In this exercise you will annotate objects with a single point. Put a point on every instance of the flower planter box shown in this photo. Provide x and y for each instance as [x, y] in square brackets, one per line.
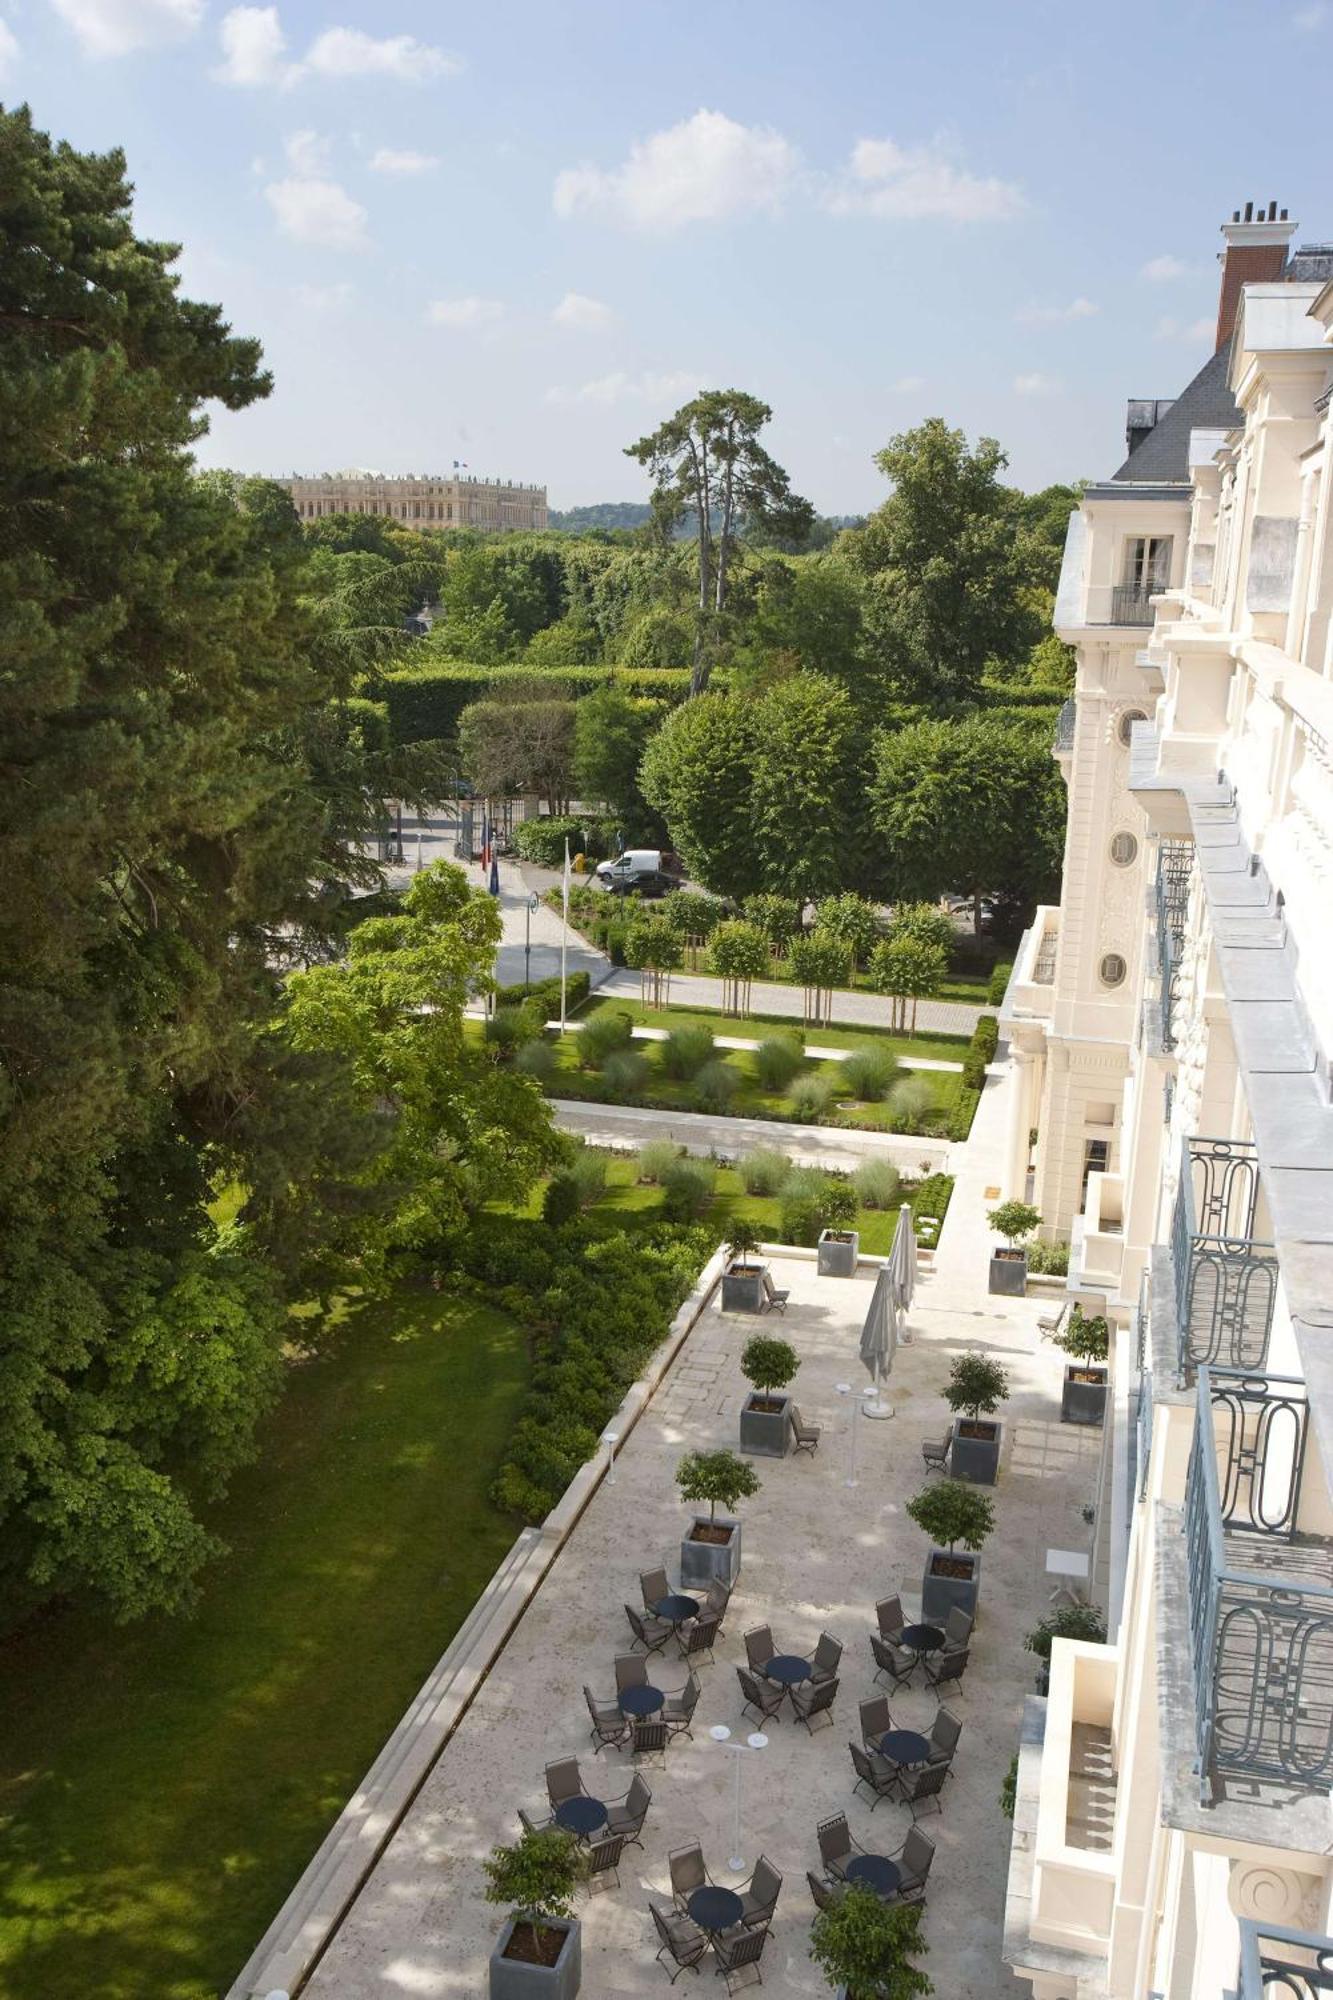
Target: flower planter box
[939, 1594]
[701, 1562]
[743, 1289]
[1009, 1273]
[515, 1979]
[1083, 1398]
[975, 1453]
[838, 1252]
[766, 1424]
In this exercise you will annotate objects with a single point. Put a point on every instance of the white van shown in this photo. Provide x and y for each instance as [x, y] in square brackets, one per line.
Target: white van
[636, 868]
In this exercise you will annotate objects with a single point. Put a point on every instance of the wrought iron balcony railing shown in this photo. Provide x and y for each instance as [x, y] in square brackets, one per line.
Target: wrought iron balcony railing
[1225, 1281]
[1171, 891]
[1131, 603]
[1278, 1964]
[1064, 728]
[1260, 1601]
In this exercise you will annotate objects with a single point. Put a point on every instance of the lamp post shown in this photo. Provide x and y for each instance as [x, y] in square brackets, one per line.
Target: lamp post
[721, 1735]
[845, 1389]
[527, 939]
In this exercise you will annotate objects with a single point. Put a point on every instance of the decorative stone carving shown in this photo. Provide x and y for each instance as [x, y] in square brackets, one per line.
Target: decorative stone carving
[1272, 1895]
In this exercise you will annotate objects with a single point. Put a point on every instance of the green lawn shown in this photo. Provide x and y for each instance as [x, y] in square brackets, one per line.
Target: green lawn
[162, 1786]
[754, 1027]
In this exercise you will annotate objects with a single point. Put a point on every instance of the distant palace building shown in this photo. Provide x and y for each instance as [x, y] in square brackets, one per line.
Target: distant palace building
[428, 500]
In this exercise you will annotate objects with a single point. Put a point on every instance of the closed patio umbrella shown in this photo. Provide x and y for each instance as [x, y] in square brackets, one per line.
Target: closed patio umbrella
[879, 1336]
[902, 1258]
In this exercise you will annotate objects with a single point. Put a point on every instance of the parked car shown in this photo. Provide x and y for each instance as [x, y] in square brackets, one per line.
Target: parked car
[644, 870]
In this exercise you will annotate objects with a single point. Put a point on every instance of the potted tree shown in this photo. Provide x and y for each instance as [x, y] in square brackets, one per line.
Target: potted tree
[1014, 1220]
[864, 1947]
[1087, 1339]
[975, 1389]
[712, 1548]
[951, 1513]
[1071, 1621]
[765, 1414]
[839, 1244]
[743, 1281]
[539, 1952]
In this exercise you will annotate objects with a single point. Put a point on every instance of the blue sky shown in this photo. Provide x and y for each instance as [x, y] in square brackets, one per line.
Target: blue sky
[519, 234]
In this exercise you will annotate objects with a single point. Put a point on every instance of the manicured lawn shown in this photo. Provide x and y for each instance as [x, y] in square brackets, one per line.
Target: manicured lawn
[756, 1027]
[162, 1786]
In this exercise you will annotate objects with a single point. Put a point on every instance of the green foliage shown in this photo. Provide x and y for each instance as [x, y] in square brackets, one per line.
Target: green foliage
[687, 1190]
[877, 1184]
[868, 1072]
[810, 1097]
[777, 1060]
[768, 1363]
[1049, 1259]
[535, 1878]
[999, 982]
[778, 917]
[763, 1171]
[543, 840]
[976, 1386]
[656, 1158]
[1009, 1789]
[521, 742]
[652, 944]
[718, 1477]
[1087, 1337]
[562, 1200]
[660, 638]
[1014, 1220]
[625, 1072]
[819, 961]
[604, 1034]
[907, 969]
[546, 994]
[536, 1059]
[930, 1205]
[714, 1087]
[867, 1946]
[853, 922]
[980, 1051]
[811, 1200]
[1071, 1621]
[909, 1103]
[588, 1170]
[509, 1028]
[691, 914]
[696, 773]
[950, 1513]
[924, 923]
[744, 1240]
[611, 732]
[686, 1050]
[426, 699]
[736, 950]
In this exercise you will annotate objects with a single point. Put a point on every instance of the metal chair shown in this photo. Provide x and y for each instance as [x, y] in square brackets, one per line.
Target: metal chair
[717, 1597]
[889, 1618]
[687, 1872]
[892, 1660]
[923, 1784]
[814, 1698]
[678, 1711]
[836, 1846]
[604, 1859]
[683, 1939]
[626, 1816]
[828, 1658]
[935, 1452]
[765, 1697]
[876, 1718]
[701, 1635]
[631, 1671]
[649, 1738]
[759, 1647]
[957, 1628]
[608, 1722]
[653, 1583]
[944, 1736]
[774, 1300]
[947, 1666]
[914, 1860]
[564, 1780]
[650, 1633]
[759, 1897]
[805, 1437]
[874, 1771]
[532, 1825]
[739, 1952]
[826, 1894]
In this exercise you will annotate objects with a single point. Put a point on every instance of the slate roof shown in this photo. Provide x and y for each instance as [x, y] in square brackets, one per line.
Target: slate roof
[1162, 458]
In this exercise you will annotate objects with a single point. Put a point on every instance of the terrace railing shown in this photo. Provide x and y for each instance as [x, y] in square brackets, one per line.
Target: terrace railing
[1225, 1280]
[1278, 1964]
[1171, 893]
[1064, 728]
[1131, 603]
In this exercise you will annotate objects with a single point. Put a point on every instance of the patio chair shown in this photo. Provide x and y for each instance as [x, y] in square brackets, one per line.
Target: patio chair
[650, 1633]
[774, 1300]
[649, 1738]
[957, 1628]
[603, 1858]
[914, 1860]
[530, 1825]
[805, 1437]
[814, 1698]
[681, 1938]
[655, 1586]
[950, 1665]
[608, 1723]
[759, 1647]
[935, 1452]
[944, 1737]
[764, 1697]
[738, 1954]
[825, 1893]
[828, 1658]
[892, 1660]
[876, 1718]
[564, 1781]
[759, 1897]
[836, 1846]
[1050, 1323]
[701, 1635]
[631, 1671]
[920, 1786]
[875, 1772]
[678, 1712]
[687, 1872]
[717, 1597]
[889, 1618]
[626, 1816]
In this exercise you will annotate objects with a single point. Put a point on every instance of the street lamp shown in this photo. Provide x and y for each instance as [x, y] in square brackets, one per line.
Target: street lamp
[845, 1389]
[721, 1735]
[527, 938]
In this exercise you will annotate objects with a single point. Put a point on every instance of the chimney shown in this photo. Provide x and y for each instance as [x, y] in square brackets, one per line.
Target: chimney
[1256, 254]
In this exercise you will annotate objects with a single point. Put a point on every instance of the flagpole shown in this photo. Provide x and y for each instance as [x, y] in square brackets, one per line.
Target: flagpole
[564, 935]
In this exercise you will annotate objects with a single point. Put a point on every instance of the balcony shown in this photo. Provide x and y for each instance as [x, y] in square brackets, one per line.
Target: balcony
[1260, 1588]
[1131, 603]
[1103, 1233]
[1031, 994]
[1283, 1965]
[1225, 1280]
[1171, 898]
[1073, 1883]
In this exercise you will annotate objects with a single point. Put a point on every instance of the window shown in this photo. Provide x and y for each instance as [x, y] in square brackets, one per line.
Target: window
[1125, 726]
[1112, 969]
[1096, 1160]
[1148, 562]
[1124, 847]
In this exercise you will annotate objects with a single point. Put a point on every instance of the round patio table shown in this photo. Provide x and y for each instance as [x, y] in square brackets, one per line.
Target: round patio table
[580, 1815]
[876, 1871]
[922, 1638]
[677, 1607]
[642, 1700]
[787, 1669]
[904, 1746]
[715, 1909]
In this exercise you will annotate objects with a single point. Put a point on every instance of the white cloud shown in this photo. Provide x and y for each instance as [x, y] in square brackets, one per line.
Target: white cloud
[705, 169]
[1034, 315]
[1307, 20]
[583, 314]
[118, 27]
[387, 161]
[351, 52]
[254, 48]
[308, 154]
[1037, 384]
[1160, 270]
[9, 49]
[311, 209]
[907, 385]
[1193, 330]
[911, 183]
[466, 312]
[323, 298]
[620, 387]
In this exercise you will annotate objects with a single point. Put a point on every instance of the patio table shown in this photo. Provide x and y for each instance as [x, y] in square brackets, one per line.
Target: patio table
[714, 1909]
[876, 1871]
[580, 1815]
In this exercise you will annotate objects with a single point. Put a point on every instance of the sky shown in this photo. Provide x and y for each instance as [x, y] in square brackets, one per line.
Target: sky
[518, 235]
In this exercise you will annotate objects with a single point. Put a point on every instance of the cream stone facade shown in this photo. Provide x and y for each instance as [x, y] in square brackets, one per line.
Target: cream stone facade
[1172, 1022]
[429, 500]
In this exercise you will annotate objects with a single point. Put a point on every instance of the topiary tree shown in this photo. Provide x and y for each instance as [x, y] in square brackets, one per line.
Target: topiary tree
[1087, 1337]
[738, 954]
[866, 1946]
[655, 949]
[744, 1242]
[976, 1387]
[908, 971]
[950, 1512]
[819, 962]
[768, 1363]
[536, 1878]
[924, 923]
[1014, 1220]
[1071, 1621]
[853, 922]
[778, 917]
[719, 1477]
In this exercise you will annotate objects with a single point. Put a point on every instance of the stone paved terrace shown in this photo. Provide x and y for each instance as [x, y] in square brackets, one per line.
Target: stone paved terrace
[816, 1555]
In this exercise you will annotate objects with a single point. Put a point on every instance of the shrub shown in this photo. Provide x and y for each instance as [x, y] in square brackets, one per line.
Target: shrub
[738, 951]
[562, 1200]
[964, 1111]
[687, 1189]
[588, 1172]
[923, 923]
[685, 1051]
[768, 1363]
[603, 1035]
[976, 1387]
[508, 1028]
[719, 1477]
[1014, 1220]
[763, 1171]
[1087, 1336]
[908, 971]
[714, 1087]
[930, 1201]
[999, 982]
[625, 1072]
[545, 993]
[869, 1072]
[778, 917]
[810, 1097]
[908, 1101]
[818, 961]
[876, 1183]
[811, 1201]
[1071, 1621]
[865, 1947]
[536, 1058]
[1050, 1260]
[853, 922]
[950, 1512]
[777, 1060]
[425, 702]
[656, 1158]
[543, 840]
[693, 914]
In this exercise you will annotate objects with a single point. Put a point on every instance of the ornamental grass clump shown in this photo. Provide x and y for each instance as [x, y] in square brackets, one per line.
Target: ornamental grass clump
[656, 1160]
[763, 1171]
[687, 1190]
[604, 1035]
[810, 1098]
[908, 1101]
[625, 1073]
[777, 1060]
[536, 1059]
[685, 1051]
[811, 1201]
[877, 1183]
[868, 1073]
[714, 1087]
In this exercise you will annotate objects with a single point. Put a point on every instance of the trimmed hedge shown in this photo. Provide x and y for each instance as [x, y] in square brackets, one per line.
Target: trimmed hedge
[425, 702]
[999, 981]
[980, 1050]
[930, 1205]
[547, 991]
[543, 840]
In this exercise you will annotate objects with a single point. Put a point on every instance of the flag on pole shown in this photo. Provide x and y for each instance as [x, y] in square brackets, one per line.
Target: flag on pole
[486, 845]
[494, 884]
[564, 932]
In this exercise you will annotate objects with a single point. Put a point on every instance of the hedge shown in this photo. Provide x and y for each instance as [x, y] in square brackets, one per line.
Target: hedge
[930, 1205]
[543, 840]
[425, 702]
[999, 982]
[547, 991]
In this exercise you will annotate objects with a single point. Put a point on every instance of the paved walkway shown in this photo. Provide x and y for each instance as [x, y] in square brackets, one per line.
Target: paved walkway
[850, 1010]
[626, 1127]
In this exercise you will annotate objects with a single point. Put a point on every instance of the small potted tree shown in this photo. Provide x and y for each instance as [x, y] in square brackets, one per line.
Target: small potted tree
[765, 1414]
[864, 1947]
[712, 1548]
[1087, 1341]
[1071, 1621]
[743, 1280]
[975, 1389]
[1015, 1221]
[539, 1952]
[951, 1513]
[839, 1243]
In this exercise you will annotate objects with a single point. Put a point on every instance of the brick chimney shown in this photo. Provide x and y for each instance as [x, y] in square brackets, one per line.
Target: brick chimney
[1256, 254]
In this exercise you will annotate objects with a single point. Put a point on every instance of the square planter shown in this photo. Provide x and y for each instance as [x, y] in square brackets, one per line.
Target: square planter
[743, 1289]
[766, 1432]
[975, 1454]
[838, 1252]
[702, 1562]
[1083, 1398]
[1009, 1273]
[514, 1979]
[939, 1594]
